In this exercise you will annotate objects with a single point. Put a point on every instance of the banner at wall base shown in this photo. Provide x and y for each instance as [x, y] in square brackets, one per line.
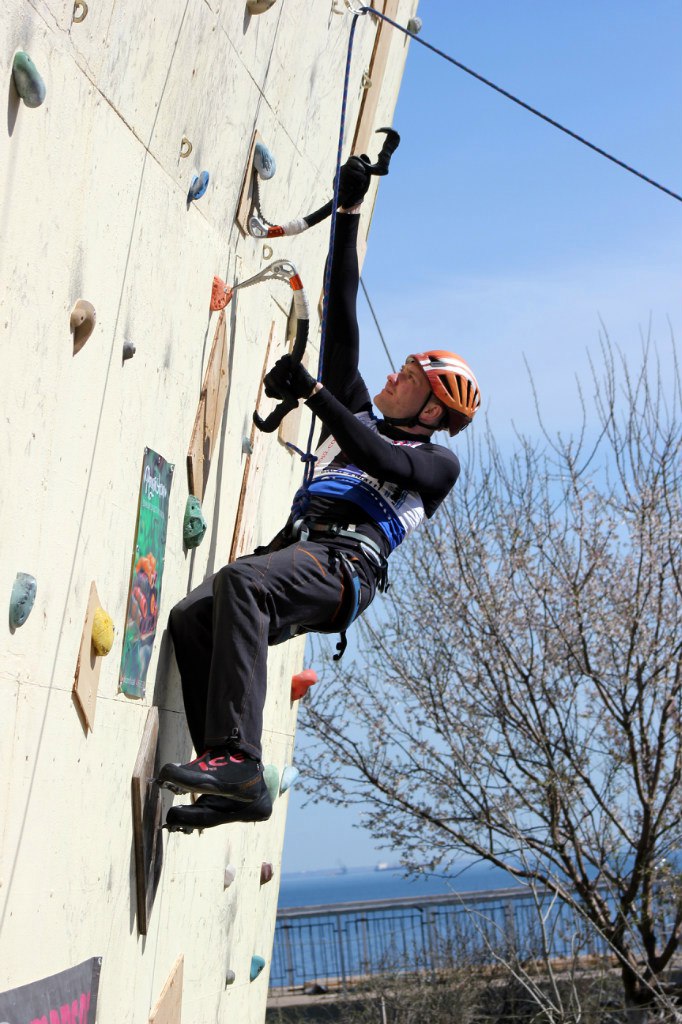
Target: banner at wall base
[70, 996]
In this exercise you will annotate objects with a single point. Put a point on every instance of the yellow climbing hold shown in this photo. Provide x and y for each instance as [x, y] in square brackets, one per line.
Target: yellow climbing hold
[102, 632]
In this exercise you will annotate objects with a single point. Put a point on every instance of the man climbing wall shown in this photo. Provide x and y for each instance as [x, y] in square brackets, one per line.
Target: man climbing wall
[374, 481]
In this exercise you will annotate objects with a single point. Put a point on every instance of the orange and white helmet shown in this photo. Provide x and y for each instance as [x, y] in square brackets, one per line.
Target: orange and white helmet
[453, 383]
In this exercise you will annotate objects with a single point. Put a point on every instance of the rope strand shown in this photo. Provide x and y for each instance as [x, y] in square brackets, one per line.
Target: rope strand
[526, 106]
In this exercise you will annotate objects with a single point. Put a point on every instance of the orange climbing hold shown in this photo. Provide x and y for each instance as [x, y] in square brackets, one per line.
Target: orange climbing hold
[220, 294]
[301, 682]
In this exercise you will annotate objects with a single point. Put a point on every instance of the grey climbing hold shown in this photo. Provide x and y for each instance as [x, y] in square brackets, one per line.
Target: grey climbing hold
[257, 965]
[82, 323]
[198, 186]
[289, 776]
[193, 525]
[128, 350]
[247, 447]
[22, 599]
[27, 80]
[264, 161]
[230, 977]
[414, 26]
[271, 779]
[230, 875]
[266, 872]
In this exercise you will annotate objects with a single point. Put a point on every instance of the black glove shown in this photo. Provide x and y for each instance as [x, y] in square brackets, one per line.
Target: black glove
[288, 381]
[354, 179]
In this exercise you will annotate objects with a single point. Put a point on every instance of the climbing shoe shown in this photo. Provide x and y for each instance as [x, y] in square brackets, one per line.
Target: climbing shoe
[216, 772]
[210, 811]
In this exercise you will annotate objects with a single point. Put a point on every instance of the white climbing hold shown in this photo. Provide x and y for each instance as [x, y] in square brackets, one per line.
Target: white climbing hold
[289, 776]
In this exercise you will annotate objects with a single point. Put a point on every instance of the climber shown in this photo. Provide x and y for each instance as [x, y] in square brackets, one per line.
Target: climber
[374, 481]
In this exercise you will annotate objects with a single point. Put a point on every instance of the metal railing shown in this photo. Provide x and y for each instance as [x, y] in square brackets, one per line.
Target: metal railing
[340, 942]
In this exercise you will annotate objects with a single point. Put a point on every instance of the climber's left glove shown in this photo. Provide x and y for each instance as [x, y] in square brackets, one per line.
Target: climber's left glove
[288, 381]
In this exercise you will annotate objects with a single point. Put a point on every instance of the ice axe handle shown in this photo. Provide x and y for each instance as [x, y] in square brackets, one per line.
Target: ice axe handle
[389, 147]
[273, 420]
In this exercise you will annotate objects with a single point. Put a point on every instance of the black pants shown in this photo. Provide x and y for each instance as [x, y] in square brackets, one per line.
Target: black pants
[221, 632]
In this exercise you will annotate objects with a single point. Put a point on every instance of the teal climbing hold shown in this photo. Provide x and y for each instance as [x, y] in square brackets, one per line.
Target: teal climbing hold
[264, 161]
[27, 80]
[198, 186]
[193, 525]
[22, 599]
[289, 776]
[257, 965]
[271, 778]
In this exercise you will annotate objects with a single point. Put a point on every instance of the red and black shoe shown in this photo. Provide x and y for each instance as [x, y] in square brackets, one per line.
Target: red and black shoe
[216, 772]
[210, 811]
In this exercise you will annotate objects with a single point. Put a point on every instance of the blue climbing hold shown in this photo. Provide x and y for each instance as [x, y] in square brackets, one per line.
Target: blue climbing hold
[257, 965]
[289, 776]
[264, 161]
[198, 186]
[22, 599]
[27, 81]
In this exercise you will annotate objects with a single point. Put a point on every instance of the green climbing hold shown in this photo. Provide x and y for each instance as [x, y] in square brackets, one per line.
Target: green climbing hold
[271, 778]
[289, 776]
[27, 81]
[257, 965]
[194, 524]
[22, 599]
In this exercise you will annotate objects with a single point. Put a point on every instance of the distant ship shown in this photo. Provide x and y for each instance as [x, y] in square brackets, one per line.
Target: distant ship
[382, 866]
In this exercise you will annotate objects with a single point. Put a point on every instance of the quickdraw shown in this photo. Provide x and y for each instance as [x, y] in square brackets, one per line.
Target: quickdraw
[260, 227]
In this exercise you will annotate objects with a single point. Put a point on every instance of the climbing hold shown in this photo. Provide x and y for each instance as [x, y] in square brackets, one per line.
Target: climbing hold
[247, 447]
[257, 965]
[102, 632]
[220, 294]
[128, 350]
[266, 872]
[193, 525]
[80, 11]
[289, 776]
[230, 875]
[198, 186]
[27, 81]
[414, 26]
[230, 978]
[259, 6]
[185, 146]
[22, 599]
[271, 778]
[82, 323]
[301, 682]
[264, 161]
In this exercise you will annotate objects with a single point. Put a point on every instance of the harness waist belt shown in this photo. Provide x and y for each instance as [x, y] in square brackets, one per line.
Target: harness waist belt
[351, 532]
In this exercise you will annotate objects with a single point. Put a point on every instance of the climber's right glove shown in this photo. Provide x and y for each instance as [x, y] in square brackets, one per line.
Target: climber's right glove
[354, 179]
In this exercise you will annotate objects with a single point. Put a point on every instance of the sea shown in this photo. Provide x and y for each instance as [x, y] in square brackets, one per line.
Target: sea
[383, 881]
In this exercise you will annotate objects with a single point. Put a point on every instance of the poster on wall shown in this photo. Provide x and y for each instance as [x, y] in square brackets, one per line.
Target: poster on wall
[70, 995]
[144, 594]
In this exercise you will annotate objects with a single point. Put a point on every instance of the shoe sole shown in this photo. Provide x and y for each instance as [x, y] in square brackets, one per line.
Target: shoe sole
[207, 788]
[191, 817]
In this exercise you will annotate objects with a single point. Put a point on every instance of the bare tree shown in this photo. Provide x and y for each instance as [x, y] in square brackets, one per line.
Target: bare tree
[518, 694]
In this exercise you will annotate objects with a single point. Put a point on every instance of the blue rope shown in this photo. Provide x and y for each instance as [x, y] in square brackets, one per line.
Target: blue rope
[310, 460]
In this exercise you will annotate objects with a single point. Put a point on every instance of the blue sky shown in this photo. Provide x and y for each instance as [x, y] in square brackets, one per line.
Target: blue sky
[500, 238]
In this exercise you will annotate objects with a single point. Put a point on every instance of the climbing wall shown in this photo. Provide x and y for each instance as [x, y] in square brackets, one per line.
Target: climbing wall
[106, 268]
